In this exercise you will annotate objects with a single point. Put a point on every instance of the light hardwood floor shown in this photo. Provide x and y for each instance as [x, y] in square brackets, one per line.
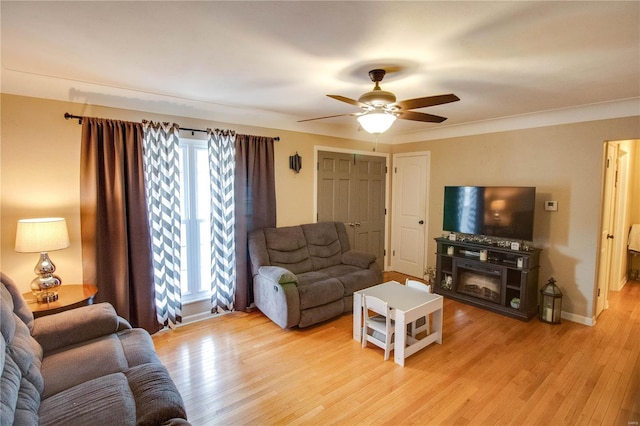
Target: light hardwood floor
[241, 368]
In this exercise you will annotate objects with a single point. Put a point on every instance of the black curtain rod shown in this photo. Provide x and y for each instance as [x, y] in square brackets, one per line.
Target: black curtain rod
[68, 116]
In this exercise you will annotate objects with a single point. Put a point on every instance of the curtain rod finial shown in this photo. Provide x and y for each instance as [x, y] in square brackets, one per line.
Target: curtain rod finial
[68, 116]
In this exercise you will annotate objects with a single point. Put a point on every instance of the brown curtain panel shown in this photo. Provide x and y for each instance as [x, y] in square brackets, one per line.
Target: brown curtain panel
[255, 195]
[116, 243]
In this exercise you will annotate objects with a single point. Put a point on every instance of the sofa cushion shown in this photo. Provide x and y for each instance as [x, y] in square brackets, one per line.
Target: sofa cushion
[118, 352]
[157, 399]
[323, 244]
[75, 326]
[90, 360]
[358, 280]
[106, 400]
[287, 248]
[338, 271]
[311, 277]
[320, 292]
[358, 258]
[321, 313]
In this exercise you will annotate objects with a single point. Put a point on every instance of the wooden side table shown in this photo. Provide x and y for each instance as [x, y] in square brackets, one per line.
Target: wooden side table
[69, 296]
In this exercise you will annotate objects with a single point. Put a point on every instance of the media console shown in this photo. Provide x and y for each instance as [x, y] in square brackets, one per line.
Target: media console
[488, 276]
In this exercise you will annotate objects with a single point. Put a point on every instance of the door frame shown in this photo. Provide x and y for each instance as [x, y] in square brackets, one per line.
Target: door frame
[314, 219]
[426, 154]
[619, 188]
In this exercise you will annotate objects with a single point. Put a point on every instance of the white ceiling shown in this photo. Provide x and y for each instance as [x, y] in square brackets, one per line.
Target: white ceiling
[513, 64]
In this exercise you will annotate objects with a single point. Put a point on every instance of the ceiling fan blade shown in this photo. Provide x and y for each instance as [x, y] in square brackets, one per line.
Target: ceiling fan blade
[321, 118]
[348, 100]
[427, 101]
[420, 116]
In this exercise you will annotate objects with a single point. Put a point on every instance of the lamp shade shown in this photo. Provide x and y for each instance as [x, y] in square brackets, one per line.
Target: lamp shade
[376, 122]
[498, 205]
[41, 235]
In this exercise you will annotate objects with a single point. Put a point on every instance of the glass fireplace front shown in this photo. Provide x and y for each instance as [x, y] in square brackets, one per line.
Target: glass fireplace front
[479, 281]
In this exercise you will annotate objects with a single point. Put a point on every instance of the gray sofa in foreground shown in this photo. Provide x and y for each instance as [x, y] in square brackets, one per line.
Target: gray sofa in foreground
[85, 366]
[306, 274]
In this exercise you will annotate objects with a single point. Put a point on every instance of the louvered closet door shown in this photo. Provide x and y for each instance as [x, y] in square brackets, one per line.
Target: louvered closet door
[351, 189]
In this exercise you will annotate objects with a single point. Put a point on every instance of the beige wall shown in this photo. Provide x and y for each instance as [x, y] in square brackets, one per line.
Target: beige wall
[40, 167]
[635, 191]
[564, 163]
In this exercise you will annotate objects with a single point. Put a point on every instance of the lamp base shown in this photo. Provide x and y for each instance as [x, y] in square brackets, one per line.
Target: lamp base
[47, 296]
[44, 288]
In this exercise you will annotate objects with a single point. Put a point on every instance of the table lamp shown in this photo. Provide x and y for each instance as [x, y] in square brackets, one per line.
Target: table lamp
[41, 236]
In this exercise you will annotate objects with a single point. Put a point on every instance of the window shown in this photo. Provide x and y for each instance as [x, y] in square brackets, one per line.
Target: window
[195, 203]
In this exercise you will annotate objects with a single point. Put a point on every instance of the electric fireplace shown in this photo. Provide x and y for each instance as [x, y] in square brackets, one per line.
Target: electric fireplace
[481, 281]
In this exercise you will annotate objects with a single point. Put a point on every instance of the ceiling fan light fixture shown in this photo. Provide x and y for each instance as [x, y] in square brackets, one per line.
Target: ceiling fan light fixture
[377, 97]
[376, 122]
[380, 109]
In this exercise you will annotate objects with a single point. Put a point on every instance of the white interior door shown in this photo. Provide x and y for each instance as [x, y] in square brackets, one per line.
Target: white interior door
[606, 234]
[409, 213]
[622, 219]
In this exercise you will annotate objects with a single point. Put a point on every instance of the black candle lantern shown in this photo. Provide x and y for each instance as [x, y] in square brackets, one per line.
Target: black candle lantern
[295, 163]
[551, 303]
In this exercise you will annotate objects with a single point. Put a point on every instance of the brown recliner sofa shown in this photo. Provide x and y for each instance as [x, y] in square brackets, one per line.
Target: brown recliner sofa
[306, 274]
[85, 366]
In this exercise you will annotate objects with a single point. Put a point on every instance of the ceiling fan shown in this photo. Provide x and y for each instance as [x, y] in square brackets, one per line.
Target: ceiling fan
[380, 109]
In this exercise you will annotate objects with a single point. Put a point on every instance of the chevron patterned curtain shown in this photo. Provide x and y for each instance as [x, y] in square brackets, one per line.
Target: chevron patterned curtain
[223, 250]
[162, 174]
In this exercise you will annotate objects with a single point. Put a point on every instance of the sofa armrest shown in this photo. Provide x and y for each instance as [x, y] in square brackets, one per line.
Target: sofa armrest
[275, 292]
[278, 274]
[358, 258]
[76, 326]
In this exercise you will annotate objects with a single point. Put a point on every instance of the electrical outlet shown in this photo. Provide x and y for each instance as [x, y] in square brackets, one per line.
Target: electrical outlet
[551, 206]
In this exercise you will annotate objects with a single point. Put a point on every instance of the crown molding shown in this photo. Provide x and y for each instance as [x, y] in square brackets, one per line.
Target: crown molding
[592, 112]
[50, 87]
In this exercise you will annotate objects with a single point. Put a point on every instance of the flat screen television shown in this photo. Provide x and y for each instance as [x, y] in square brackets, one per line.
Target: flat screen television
[497, 211]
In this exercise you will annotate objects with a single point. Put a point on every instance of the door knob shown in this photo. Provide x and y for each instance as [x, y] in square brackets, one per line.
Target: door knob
[421, 222]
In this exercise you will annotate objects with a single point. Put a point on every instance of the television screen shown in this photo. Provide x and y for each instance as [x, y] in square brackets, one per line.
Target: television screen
[497, 211]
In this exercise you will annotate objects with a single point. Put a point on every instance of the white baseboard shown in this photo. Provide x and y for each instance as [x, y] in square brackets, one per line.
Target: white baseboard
[578, 318]
[619, 285]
